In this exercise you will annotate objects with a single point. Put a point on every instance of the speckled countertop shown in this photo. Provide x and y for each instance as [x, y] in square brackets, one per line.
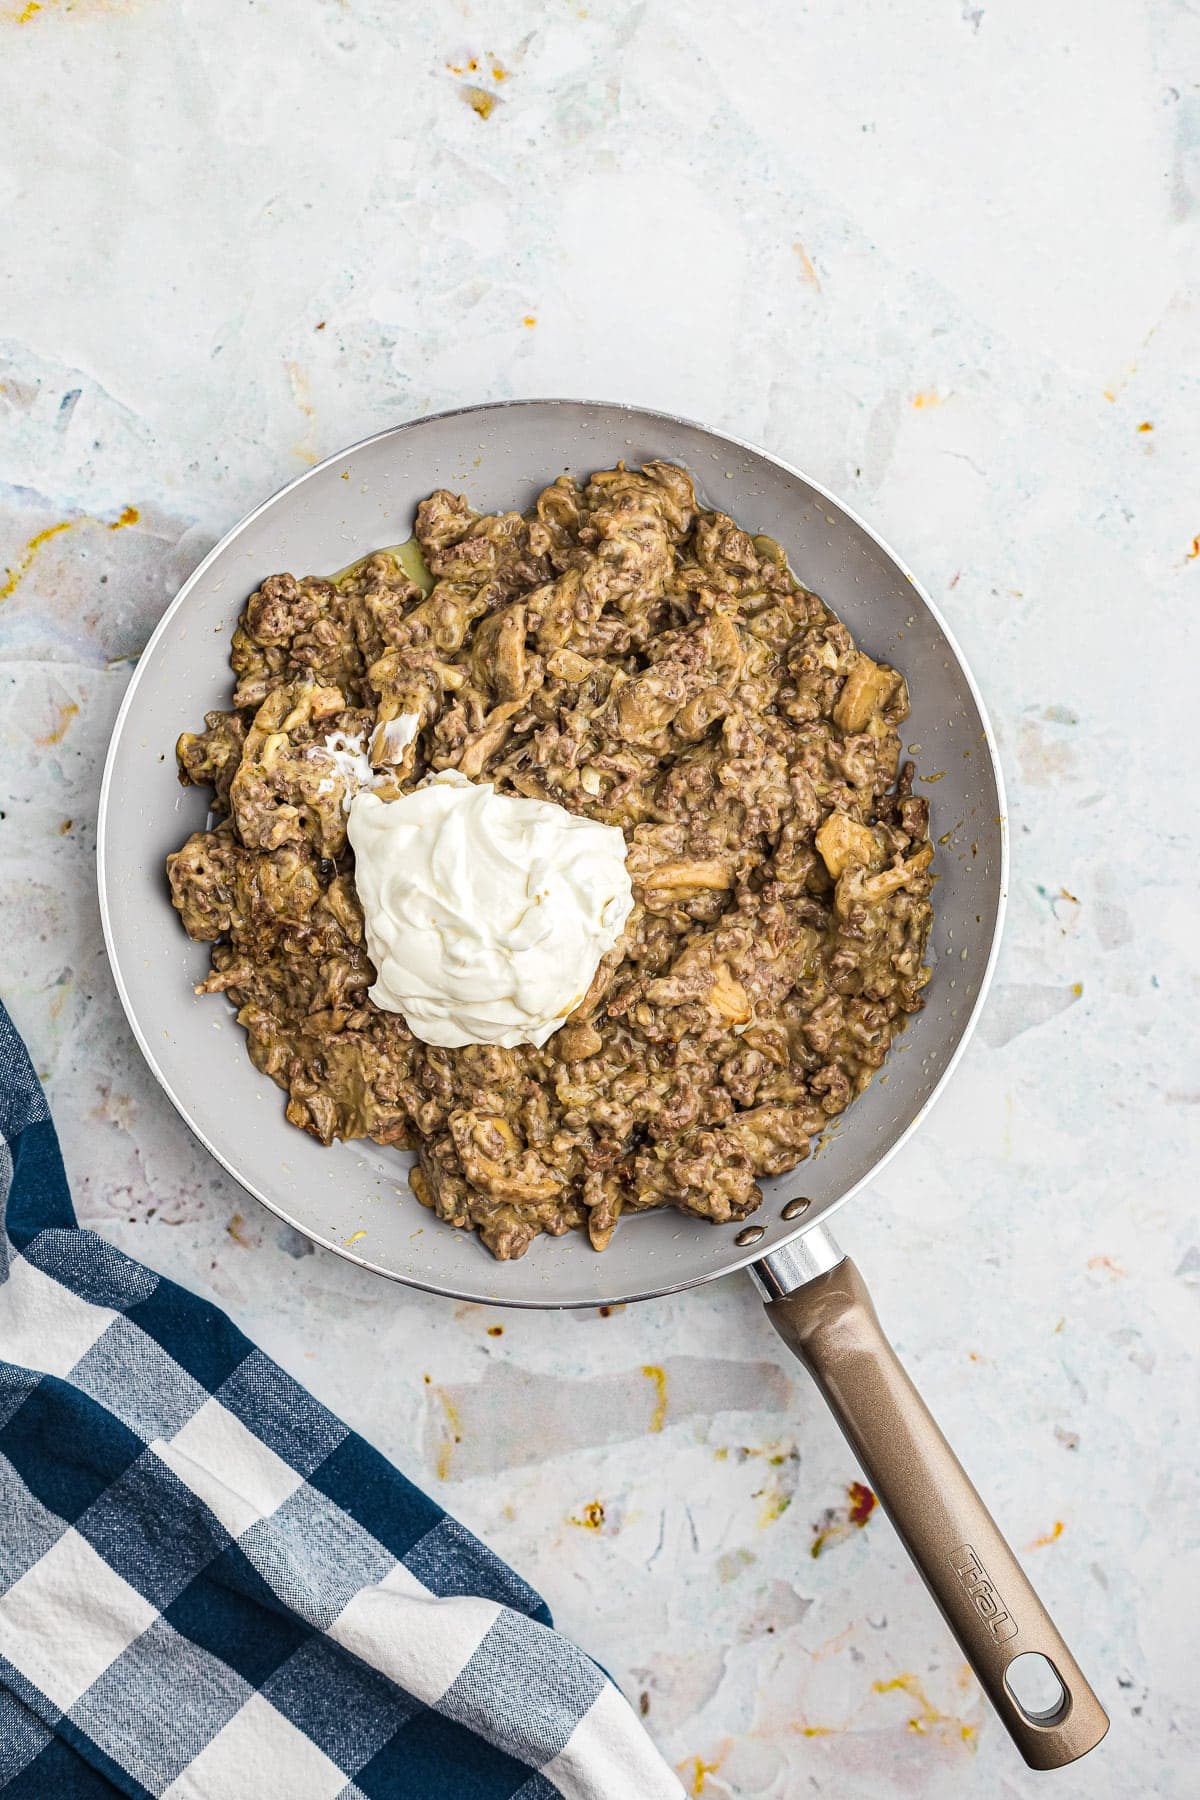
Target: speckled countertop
[938, 255]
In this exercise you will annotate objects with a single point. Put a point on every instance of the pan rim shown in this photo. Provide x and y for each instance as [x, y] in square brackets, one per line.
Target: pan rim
[739, 1258]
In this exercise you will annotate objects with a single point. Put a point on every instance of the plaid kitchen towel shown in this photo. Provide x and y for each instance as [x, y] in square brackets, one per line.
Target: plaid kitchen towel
[210, 1589]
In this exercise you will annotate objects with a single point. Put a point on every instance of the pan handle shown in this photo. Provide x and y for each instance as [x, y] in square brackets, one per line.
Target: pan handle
[818, 1303]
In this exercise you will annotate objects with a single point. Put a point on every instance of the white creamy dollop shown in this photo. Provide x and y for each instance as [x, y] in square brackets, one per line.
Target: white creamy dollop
[346, 754]
[397, 734]
[487, 915]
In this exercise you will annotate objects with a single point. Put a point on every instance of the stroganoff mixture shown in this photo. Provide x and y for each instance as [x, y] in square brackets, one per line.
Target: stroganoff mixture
[638, 660]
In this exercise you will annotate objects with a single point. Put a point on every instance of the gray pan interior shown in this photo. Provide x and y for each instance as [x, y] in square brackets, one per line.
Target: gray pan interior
[354, 1198]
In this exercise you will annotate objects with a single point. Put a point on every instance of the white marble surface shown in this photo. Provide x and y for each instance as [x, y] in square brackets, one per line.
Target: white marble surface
[940, 256]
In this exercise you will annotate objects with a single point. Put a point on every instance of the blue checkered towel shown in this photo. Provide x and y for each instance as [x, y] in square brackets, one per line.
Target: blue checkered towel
[210, 1589]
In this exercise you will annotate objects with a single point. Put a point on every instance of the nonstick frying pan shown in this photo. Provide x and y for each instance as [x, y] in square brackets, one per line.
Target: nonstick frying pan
[353, 1198]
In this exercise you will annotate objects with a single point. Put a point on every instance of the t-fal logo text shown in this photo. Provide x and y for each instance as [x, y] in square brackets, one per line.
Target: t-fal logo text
[978, 1583]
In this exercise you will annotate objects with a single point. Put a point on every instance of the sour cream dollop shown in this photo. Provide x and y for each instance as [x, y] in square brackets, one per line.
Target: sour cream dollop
[487, 915]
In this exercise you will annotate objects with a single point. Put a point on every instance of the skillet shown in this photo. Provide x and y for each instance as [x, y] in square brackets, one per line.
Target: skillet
[353, 1199]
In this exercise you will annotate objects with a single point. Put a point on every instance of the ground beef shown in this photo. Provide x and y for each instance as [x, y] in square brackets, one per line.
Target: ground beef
[639, 660]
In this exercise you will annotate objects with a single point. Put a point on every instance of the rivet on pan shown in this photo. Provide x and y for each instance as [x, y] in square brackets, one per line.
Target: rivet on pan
[750, 1235]
[794, 1208]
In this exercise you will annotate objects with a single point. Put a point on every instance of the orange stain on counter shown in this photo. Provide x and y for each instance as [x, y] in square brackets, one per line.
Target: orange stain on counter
[658, 1376]
[806, 266]
[479, 100]
[927, 397]
[1050, 1537]
[1109, 1265]
[66, 712]
[298, 382]
[928, 1717]
[30, 10]
[452, 1434]
[16, 572]
[592, 1518]
[695, 1771]
[25, 561]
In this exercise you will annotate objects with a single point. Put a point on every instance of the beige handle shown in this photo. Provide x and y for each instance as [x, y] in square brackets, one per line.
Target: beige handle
[983, 1592]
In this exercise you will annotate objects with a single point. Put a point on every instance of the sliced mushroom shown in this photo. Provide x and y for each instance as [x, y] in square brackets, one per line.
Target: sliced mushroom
[680, 878]
[844, 842]
[498, 657]
[486, 742]
[728, 997]
[868, 688]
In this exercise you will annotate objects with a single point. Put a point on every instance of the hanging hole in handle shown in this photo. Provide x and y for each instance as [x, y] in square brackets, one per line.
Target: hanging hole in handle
[1036, 1686]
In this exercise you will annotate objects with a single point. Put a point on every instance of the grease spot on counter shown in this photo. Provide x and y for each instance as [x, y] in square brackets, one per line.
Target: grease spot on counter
[293, 1243]
[590, 1517]
[514, 1417]
[115, 1106]
[1043, 760]
[1048, 1537]
[1021, 1006]
[680, 1682]
[778, 1608]
[733, 1563]
[305, 447]
[1113, 925]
